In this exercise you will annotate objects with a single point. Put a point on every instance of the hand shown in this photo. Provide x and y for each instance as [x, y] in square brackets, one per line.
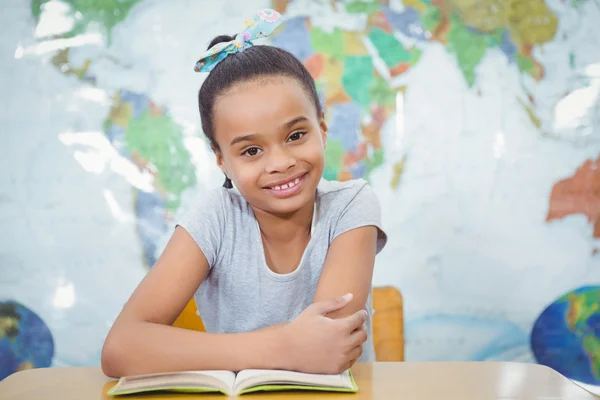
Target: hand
[317, 344]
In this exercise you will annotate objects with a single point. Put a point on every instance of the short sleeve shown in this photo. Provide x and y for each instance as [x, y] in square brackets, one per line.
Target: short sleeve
[205, 222]
[363, 209]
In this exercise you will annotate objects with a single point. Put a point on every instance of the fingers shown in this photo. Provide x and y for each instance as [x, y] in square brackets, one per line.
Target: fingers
[347, 366]
[354, 321]
[358, 337]
[329, 305]
[354, 355]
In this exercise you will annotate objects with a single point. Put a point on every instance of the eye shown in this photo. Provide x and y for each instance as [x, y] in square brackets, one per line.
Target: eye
[296, 136]
[252, 151]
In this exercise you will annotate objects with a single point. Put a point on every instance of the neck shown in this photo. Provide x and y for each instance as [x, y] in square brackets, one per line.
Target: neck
[284, 228]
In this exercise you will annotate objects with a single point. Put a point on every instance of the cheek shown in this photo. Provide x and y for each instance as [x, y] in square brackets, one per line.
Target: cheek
[245, 172]
[313, 151]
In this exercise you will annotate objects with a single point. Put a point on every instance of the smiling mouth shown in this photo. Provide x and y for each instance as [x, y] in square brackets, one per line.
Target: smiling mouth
[287, 185]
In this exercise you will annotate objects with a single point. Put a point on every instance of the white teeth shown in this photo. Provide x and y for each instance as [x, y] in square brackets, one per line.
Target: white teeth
[287, 185]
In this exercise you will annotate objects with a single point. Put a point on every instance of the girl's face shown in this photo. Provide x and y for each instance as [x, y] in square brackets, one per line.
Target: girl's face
[271, 143]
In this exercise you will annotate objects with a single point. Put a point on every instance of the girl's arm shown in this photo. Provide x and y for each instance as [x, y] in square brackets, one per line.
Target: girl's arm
[348, 268]
[142, 339]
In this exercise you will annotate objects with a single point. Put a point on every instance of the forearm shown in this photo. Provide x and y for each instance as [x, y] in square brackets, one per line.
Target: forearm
[145, 347]
[350, 309]
[272, 328]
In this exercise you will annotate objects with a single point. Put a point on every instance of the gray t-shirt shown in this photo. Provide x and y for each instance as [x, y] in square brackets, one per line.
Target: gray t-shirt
[241, 293]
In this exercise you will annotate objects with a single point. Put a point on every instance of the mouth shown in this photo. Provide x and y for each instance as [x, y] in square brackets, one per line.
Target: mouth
[287, 188]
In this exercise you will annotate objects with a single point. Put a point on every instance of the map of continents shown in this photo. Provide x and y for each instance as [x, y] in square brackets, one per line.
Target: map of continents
[352, 68]
[139, 129]
[358, 95]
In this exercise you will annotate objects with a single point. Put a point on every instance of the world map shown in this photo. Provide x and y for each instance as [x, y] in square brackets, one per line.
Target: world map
[477, 122]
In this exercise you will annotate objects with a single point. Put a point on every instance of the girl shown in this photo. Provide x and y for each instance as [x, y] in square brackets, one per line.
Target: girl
[281, 266]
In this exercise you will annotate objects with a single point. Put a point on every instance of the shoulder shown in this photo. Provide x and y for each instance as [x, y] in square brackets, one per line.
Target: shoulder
[340, 195]
[212, 200]
[343, 206]
[207, 219]
[217, 200]
[213, 208]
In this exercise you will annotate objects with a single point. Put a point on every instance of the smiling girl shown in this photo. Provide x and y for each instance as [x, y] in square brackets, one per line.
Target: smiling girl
[278, 260]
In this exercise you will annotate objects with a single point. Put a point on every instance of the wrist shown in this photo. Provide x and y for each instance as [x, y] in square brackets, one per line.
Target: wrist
[279, 347]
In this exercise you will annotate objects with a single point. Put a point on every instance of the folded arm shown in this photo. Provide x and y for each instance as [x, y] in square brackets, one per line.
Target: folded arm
[349, 269]
[142, 339]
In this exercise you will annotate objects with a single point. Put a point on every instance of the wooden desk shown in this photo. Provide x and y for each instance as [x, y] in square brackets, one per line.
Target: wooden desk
[404, 381]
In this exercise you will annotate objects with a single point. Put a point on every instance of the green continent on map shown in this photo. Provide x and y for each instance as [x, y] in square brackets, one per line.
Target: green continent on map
[154, 143]
[469, 27]
[334, 152]
[391, 51]
[362, 7]
[107, 13]
[431, 17]
[591, 345]
[328, 43]
[582, 307]
[357, 78]
[159, 141]
[468, 47]
[381, 93]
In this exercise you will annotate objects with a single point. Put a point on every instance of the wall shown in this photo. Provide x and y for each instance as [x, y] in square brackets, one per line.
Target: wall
[478, 126]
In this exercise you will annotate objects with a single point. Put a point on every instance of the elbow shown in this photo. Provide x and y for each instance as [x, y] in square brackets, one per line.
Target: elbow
[112, 358]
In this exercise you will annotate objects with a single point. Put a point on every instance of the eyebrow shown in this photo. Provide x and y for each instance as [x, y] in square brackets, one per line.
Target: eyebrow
[295, 121]
[254, 136]
[245, 138]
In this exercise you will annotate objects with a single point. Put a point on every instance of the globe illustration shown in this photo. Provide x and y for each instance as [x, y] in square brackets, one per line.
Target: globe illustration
[25, 340]
[566, 335]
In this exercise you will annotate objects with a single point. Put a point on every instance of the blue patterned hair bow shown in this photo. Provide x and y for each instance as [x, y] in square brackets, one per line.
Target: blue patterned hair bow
[260, 25]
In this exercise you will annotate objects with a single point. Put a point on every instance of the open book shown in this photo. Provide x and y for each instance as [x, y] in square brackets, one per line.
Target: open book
[232, 384]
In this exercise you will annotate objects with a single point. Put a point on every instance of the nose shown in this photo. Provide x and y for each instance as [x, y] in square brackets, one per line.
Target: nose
[280, 160]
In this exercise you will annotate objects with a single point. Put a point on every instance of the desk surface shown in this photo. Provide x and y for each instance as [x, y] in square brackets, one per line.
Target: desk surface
[408, 380]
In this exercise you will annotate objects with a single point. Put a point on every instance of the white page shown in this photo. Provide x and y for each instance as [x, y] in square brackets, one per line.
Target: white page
[217, 379]
[226, 376]
[255, 377]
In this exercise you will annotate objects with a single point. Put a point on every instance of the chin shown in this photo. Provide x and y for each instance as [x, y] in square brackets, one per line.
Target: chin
[288, 206]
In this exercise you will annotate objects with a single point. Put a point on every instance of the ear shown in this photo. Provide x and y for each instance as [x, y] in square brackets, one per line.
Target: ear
[324, 129]
[220, 160]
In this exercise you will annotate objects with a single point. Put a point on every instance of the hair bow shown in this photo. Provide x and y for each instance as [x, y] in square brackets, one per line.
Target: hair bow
[260, 25]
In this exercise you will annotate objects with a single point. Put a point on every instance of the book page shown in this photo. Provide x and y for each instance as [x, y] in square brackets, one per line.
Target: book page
[257, 377]
[227, 377]
[220, 380]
